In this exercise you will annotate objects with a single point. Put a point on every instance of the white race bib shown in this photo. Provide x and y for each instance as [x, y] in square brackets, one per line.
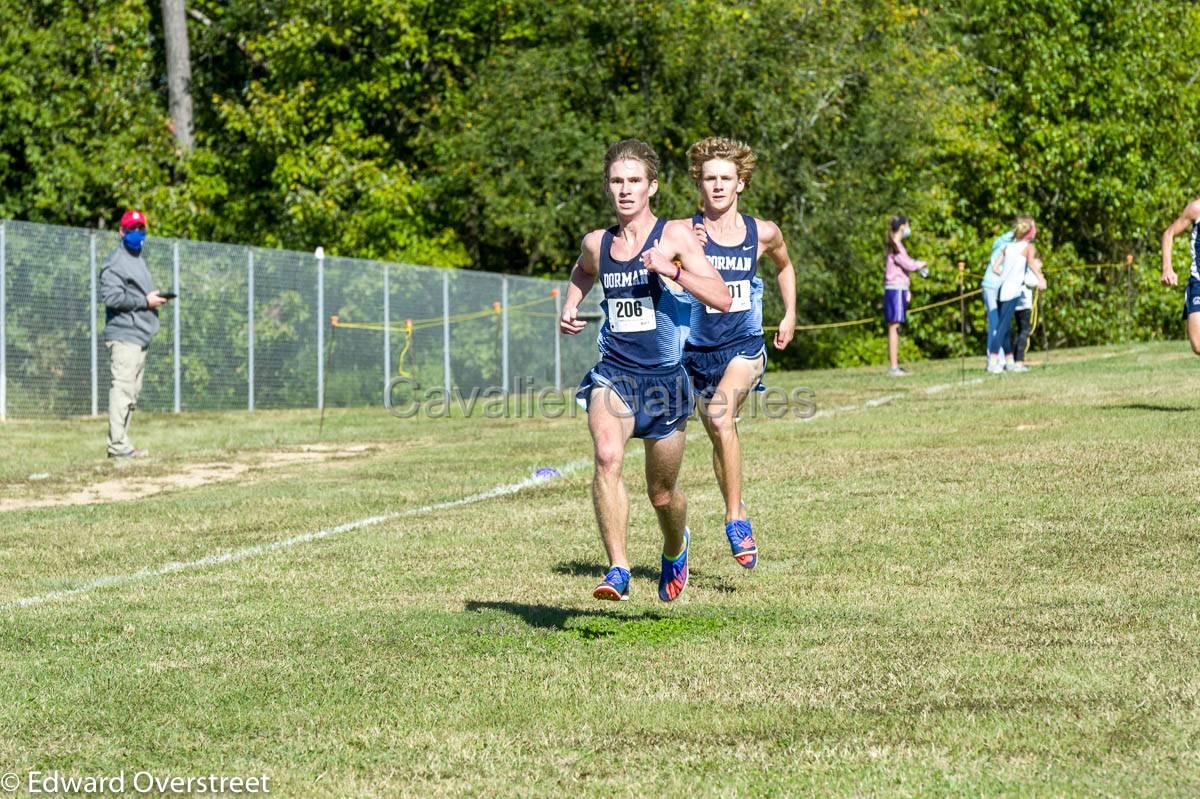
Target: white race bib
[631, 314]
[739, 292]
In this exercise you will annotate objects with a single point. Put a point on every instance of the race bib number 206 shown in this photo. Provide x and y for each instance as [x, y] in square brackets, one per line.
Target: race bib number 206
[739, 293]
[631, 315]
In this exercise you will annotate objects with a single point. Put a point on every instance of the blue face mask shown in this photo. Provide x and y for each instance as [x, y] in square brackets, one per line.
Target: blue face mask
[133, 240]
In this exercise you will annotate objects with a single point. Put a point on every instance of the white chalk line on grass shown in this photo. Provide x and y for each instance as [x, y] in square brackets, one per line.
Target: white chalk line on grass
[235, 555]
[877, 402]
[940, 387]
[1115, 354]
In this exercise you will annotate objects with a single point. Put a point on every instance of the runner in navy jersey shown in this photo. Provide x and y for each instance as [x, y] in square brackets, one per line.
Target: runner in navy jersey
[1189, 218]
[725, 355]
[638, 389]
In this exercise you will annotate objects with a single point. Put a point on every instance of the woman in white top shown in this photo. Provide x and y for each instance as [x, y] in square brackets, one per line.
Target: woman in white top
[1009, 264]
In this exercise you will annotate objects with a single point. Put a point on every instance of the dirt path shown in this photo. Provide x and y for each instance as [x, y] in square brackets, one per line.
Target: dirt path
[134, 486]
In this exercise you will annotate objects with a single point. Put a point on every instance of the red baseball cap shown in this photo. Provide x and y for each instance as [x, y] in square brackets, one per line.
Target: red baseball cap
[133, 218]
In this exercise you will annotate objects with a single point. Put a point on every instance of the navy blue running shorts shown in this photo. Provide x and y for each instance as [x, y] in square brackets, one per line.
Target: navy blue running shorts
[706, 366]
[659, 399]
[1191, 298]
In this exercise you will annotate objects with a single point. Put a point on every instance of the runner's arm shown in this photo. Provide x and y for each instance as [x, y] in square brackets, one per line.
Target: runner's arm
[773, 245]
[696, 274]
[1186, 219]
[583, 277]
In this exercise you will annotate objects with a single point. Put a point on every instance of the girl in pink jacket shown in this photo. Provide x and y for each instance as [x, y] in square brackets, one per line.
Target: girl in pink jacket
[896, 296]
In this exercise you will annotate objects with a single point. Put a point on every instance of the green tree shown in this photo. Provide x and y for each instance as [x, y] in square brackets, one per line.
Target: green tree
[516, 152]
[82, 128]
[314, 145]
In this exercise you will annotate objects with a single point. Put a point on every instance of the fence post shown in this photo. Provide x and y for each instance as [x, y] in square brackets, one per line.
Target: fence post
[320, 256]
[446, 332]
[3, 324]
[249, 329]
[1129, 290]
[175, 316]
[504, 332]
[92, 321]
[387, 332]
[557, 341]
[962, 319]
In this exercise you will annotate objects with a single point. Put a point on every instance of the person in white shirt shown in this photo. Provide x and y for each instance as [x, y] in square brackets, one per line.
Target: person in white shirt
[1009, 265]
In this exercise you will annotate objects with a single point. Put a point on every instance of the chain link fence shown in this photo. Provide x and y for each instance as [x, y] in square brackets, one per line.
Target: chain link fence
[252, 328]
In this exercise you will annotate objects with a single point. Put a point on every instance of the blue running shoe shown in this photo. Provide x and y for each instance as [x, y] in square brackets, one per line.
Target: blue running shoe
[741, 542]
[614, 586]
[674, 573]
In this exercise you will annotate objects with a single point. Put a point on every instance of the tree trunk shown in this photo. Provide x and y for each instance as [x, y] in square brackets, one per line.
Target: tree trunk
[179, 73]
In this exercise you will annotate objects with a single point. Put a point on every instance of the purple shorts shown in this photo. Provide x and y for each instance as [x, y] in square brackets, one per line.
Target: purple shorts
[895, 305]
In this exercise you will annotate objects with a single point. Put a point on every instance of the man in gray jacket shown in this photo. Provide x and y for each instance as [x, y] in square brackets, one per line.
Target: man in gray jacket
[131, 311]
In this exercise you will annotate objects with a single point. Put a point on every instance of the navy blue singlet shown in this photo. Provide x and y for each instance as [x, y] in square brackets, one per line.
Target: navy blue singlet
[1196, 250]
[738, 267]
[639, 330]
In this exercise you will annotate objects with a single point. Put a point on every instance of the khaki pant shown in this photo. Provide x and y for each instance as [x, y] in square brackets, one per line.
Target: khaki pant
[128, 363]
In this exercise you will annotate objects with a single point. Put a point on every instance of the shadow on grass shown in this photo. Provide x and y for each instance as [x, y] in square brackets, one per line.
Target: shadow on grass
[648, 626]
[696, 577]
[1146, 406]
[551, 617]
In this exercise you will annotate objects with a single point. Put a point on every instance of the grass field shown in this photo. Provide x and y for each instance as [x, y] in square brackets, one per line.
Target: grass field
[963, 590]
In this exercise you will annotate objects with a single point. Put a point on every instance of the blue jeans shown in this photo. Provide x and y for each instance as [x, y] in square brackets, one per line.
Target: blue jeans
[991, 304]
[1004, 317]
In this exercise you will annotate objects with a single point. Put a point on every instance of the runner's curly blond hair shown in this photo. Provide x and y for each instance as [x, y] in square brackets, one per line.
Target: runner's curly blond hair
[706, 150]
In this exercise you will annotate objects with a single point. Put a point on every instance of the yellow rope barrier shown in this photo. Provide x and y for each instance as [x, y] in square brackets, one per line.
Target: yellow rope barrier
[408, 331]
[946, 301]
[831, 325]
[540, 314]
[1033, 316]
[870, 319]
[363, 325]
[435, 321]
[420, 324]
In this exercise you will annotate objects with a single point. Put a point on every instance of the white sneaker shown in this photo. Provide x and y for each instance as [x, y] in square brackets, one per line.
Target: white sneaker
[996, 367]
[1016, 367]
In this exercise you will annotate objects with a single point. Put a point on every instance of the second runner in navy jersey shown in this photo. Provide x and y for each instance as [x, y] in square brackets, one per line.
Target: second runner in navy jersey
[737, 265]
[724, 353]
